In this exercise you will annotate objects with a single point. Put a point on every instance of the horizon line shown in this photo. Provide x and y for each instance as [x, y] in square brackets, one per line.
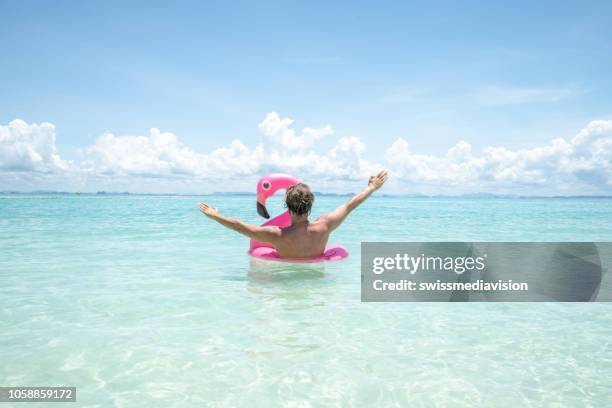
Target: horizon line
[245, 193]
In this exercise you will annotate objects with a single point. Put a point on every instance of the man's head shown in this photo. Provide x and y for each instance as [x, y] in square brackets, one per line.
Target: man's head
[299, 199]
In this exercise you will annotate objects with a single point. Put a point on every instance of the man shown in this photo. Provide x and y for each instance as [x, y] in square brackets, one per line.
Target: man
[303, 238]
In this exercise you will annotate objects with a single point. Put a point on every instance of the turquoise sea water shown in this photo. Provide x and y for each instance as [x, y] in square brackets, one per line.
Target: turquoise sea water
[142, 301]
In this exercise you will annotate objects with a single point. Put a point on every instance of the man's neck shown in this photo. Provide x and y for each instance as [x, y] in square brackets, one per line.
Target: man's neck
[298, 219]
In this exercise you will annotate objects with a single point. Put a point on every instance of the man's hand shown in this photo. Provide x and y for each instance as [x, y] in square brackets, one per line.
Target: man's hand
[208, 210]
[377, 181]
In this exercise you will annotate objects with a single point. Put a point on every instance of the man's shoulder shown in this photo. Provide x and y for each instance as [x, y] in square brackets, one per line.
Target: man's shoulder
[271, 229]
[323, 218]
[320, 223]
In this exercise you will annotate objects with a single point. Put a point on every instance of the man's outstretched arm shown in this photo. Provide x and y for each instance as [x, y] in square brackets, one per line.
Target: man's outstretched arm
[335, 218]
[268, 235]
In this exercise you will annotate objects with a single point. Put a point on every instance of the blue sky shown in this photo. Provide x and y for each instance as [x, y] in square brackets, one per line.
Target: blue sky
[436, 73]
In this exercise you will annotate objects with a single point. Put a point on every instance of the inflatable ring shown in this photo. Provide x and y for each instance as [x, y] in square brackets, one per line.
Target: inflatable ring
[267, 186]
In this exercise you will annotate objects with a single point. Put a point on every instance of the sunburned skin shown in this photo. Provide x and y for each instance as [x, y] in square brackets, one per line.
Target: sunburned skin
[303, 238]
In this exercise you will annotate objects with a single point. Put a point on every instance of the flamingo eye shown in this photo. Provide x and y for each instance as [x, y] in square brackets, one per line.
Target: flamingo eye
[266, 185]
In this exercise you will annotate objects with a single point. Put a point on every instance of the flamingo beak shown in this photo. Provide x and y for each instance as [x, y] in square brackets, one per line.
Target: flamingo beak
[261, 208]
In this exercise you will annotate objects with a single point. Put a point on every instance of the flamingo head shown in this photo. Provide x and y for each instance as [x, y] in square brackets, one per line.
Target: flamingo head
[268, 185]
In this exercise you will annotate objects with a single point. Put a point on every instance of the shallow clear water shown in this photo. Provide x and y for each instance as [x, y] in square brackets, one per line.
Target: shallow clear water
[142, 301]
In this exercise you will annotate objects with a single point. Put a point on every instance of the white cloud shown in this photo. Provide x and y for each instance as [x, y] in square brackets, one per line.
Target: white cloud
[159, 154]
[587, 158]
[283, 150]
[163, 155]
[32, 148]
[278, 135]
[582, 163]
[347, 157]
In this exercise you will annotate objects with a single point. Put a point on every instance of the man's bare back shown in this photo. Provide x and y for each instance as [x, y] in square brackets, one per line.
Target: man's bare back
[306, 239]
[303, 238]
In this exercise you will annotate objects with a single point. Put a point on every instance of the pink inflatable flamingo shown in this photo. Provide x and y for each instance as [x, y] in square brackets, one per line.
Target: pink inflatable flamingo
[267, 186]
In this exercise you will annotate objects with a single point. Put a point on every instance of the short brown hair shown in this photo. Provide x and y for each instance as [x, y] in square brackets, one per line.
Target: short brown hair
[299, 199]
